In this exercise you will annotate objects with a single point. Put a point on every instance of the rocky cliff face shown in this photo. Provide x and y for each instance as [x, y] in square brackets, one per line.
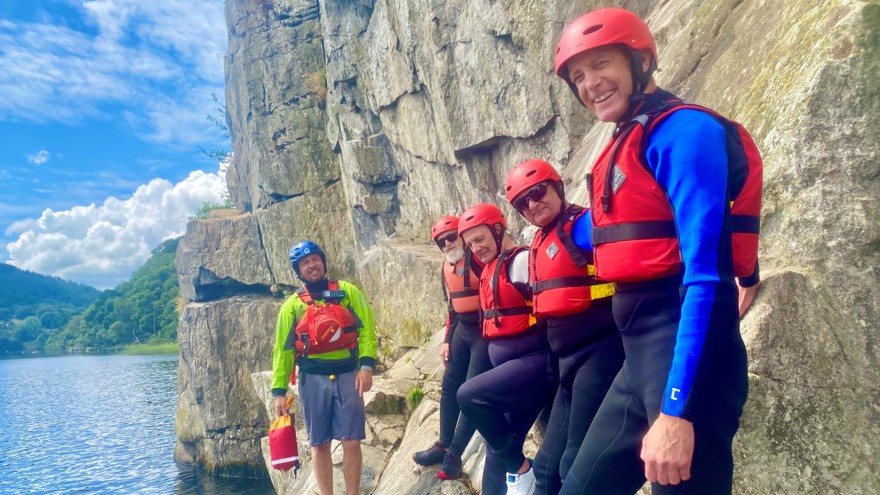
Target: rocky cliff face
[356, 123]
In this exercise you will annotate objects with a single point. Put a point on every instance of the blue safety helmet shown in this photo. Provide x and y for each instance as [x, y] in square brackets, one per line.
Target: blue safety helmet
[302, 249]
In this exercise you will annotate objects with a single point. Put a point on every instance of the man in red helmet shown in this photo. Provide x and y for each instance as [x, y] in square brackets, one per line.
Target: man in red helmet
[576, 308]
[464, 352]
[504, 402]
[662, 231]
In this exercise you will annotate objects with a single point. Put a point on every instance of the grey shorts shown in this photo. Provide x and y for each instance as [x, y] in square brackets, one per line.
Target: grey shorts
[333, 410]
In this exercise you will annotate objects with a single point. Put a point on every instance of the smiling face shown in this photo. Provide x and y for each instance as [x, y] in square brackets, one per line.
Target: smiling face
[481, 242]
[541, 212]
[603, 79]
[311, 268]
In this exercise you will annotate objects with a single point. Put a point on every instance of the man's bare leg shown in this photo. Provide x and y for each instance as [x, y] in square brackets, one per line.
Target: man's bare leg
[352, 460]
[322, 463]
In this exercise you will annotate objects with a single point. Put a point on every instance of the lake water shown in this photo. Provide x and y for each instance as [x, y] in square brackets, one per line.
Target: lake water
[97, 425]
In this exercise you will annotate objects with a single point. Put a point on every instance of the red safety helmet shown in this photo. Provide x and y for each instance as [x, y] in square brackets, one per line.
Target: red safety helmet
[443, 224]
[527, 174]
[481, 214]
[600, 28]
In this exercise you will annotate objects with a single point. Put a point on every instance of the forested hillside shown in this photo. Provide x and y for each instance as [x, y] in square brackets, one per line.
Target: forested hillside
[22, 291]
[141, 310]
[34, 305]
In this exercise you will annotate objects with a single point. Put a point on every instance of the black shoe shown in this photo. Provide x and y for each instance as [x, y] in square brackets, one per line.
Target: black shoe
[430, 457]
[451, 468]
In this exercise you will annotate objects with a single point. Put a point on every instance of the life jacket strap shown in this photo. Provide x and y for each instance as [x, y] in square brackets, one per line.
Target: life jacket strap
[575, 252]
[632, 231]
[518, 310]
[560, 282]
[746, 224]
[464, 293]
[333, 294]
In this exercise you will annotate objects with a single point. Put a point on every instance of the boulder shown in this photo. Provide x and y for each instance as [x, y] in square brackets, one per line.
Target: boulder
[220, 419]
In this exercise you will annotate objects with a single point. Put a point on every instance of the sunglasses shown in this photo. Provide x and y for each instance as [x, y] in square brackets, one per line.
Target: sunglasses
[446, 239]
[534, 195]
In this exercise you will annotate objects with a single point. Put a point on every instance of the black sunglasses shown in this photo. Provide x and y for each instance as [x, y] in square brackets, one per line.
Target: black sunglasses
[446, 239]
[534, 195]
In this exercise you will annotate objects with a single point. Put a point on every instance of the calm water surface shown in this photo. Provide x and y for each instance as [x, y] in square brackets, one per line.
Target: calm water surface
[97, 425]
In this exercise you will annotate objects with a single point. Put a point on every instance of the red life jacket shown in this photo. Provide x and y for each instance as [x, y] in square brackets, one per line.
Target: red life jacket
[560, 273]
[636, 239]
[326, 327]
[505, 311]
[462, 281]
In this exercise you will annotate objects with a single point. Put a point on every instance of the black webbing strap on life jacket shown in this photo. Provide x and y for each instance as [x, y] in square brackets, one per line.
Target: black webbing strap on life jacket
[333, 293]
[658, 229]
[443, 281]
[745, 224]
[575, 252]
[465, 293]
[495, 313]
[560, 282]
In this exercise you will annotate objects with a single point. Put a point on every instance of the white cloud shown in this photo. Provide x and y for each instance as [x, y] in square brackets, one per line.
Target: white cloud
[38, 158]
[196, 31]
[102, 245]
[143, 50]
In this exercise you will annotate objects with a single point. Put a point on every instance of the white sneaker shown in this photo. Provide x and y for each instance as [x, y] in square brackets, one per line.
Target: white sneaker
[521, 484]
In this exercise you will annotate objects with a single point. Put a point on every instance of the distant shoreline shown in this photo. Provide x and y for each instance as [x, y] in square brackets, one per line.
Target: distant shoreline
[129, 350]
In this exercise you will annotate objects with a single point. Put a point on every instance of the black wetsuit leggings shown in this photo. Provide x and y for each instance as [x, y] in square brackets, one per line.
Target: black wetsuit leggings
[609, 461]
[590, 354]
[468, 357]
[504, 402]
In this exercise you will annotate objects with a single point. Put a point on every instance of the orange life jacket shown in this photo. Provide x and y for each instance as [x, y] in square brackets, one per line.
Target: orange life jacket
[560, 273]
[637, 240]
[462, 281]
[326, 327]
[505, 311]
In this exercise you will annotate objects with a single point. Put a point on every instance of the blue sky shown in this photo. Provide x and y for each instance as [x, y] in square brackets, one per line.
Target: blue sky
[103, 109]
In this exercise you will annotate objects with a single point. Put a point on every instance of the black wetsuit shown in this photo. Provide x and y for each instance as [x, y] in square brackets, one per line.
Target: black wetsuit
[590, 353]
[468, 357]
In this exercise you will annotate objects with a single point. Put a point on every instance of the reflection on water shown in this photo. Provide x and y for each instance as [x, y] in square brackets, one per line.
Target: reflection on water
[97, 425]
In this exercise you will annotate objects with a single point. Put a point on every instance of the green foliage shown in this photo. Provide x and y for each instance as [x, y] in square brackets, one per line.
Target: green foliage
[221, 121]
[210, 206]
[140, 310]
[23, 291]
[414, 397]
[151, 348]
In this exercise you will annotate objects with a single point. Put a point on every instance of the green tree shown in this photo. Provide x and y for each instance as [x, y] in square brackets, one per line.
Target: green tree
[28, 330]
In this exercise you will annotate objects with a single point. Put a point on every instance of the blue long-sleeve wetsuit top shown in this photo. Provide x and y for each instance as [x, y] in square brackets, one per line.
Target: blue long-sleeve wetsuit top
[687, 154]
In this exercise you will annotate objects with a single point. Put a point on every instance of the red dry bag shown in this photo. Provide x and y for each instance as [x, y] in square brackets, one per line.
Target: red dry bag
[282, 445]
